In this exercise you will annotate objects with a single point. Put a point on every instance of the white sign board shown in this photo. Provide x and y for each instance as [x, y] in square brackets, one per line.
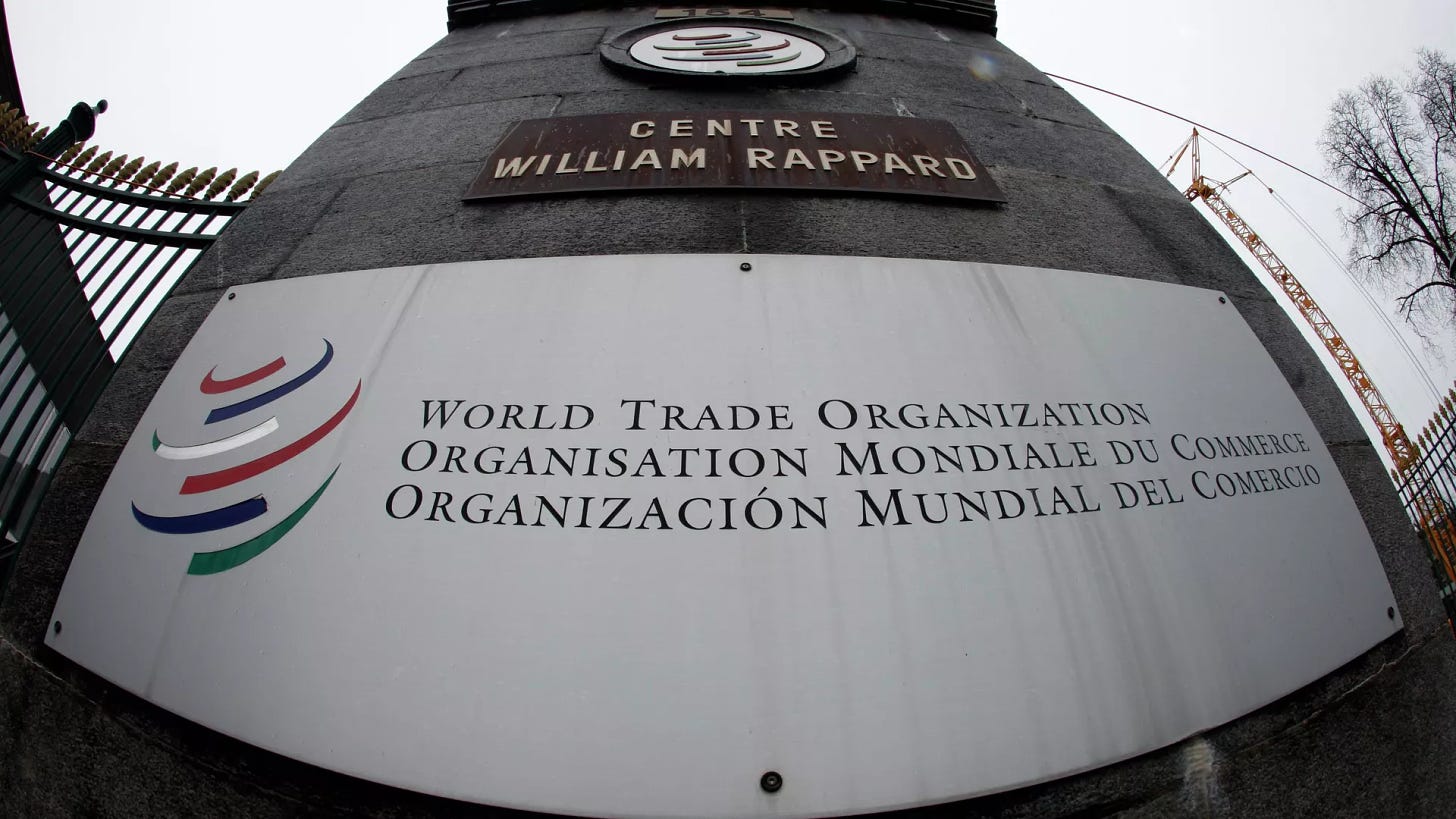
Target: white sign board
[619, 535]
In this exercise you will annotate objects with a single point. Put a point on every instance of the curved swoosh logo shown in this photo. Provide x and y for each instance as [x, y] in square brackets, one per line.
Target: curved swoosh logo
[212, 521]
[234, 410]
[209, 481]
[211, 386]
[221, 445]
[224, 559]
[209, 521]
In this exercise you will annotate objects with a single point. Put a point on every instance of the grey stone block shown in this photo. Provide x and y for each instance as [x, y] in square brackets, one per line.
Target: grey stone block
[724, 99]
[1380, 751]
[119, 773]
[1045, 224]
[532, 78]
[1175, 231]
[417, 218]
[847, 25]
[1405, 557]
[911, 83]
[439, 136]
[152, 354]
[46, 553]
[1041, 98]
[253, 246]
[1004, 139]
[121, 406]
[480, 47]
[930, 53]
[600, 18]
[171, 328]
[399, 95]
[388, 220]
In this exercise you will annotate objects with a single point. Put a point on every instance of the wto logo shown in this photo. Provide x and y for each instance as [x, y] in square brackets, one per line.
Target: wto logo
[203, 482]
[729, 49]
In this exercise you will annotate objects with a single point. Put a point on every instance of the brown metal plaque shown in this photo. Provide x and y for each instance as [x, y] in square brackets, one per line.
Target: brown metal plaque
[764, 150]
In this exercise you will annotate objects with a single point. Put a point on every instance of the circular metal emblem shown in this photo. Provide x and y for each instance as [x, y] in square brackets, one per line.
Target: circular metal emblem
[770, 49]
[727, 50]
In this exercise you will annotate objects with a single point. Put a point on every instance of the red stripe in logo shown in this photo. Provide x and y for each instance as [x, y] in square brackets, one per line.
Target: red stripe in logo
[210, 386]
[227, 477]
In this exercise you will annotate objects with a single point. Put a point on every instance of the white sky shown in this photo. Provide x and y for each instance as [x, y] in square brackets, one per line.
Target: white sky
[250, 84]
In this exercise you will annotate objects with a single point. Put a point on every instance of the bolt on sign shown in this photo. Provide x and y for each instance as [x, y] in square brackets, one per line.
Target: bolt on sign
[828, 152]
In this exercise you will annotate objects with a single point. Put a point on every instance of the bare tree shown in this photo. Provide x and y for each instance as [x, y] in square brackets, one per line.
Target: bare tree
[1392, 146]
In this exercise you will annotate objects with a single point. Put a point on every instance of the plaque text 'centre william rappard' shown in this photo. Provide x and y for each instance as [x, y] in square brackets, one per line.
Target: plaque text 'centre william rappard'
[857, 153]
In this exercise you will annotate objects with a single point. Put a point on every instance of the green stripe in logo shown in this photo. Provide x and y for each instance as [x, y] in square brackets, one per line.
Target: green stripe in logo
[224, 559]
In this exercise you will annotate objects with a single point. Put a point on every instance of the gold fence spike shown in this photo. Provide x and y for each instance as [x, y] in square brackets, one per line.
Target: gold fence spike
[242, 186]
[129, 170]
[223, 180]
[14, 124]
[15, 134]
[200, 182]
[164, 175]
[183, 180]
[115, 165]
[86, 156]
[27, 135]
[263, 184]
[42, 134]
[144, 176]
[69, 155]
[98, 163]
[10, 125]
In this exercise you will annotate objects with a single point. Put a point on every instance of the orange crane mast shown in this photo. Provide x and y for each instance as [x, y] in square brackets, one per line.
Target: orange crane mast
[1402, 451]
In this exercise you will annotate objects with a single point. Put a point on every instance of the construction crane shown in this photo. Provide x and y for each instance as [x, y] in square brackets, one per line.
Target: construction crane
[1402, 451]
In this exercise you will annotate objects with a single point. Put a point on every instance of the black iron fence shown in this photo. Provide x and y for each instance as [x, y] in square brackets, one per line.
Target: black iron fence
[1428, 488]
[90, 245]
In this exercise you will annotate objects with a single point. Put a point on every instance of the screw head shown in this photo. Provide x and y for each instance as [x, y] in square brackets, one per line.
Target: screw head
[1222, 300]
[771, 782]
[232, 296]
[1390, 612]
[745, 267]
[56, 626]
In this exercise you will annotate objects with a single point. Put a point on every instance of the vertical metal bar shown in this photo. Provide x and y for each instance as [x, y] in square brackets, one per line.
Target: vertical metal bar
[26, 484]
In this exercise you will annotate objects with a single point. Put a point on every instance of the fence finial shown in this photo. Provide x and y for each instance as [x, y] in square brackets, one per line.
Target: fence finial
[183, 180]
[200, 182]
[115, 165]
[129, 170]
[99, 163]
[263, 184]
[223, 180]
[164, 175]
[245, 182]
[144, 176]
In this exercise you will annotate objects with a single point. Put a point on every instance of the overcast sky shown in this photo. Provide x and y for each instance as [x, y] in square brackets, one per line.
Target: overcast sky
[251, 84]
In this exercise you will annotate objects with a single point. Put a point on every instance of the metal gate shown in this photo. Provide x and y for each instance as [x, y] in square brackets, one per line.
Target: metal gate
[1428, 489]
[90, 245]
